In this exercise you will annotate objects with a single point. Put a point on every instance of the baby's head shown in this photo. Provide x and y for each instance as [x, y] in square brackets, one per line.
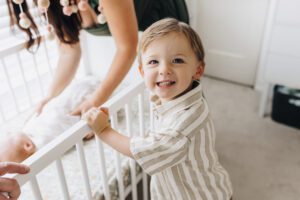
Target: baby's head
[171, 57]
[16, 148]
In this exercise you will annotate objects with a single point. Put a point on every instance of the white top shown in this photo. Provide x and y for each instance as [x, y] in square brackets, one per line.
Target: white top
[180, 153]
[55, 118]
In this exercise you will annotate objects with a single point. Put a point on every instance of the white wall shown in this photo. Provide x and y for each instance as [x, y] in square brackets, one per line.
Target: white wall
[231, 32]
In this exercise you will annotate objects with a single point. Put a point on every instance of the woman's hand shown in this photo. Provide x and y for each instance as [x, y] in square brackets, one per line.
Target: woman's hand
[39, 108]
[83, 107]
[11, 186]
[97, 119]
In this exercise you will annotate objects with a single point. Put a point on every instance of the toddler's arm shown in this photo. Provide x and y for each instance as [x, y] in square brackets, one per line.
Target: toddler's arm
[98, 120]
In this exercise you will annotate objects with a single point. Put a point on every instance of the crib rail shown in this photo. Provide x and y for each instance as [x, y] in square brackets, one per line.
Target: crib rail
[73, 137]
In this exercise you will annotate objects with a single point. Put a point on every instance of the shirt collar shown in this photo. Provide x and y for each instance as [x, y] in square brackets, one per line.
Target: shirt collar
[180, 103]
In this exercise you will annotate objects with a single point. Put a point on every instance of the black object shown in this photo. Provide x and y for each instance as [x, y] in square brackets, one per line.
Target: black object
[286, 106]
[147, 12]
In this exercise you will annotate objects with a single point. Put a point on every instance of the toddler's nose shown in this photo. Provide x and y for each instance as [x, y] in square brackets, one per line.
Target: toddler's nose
[165, 69]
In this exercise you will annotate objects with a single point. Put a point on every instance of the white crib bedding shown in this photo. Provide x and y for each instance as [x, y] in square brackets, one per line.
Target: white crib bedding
[49, 181]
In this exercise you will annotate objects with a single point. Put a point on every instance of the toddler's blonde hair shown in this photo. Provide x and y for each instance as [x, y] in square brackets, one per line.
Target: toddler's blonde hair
[165, 26]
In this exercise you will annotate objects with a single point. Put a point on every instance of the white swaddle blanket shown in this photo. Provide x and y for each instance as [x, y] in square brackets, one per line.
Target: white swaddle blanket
[55, 118]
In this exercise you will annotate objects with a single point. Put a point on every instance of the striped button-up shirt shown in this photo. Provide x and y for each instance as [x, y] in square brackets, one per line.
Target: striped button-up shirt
[179, 153]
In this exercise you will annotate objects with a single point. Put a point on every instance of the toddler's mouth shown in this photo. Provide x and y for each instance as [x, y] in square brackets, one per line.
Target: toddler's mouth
[165, 83]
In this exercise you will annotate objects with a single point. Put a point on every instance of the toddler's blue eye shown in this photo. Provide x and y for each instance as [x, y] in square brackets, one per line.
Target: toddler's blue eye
[178, 60]
[152, 62]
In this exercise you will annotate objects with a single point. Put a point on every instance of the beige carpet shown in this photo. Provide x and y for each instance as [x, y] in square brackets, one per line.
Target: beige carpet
[262, 156]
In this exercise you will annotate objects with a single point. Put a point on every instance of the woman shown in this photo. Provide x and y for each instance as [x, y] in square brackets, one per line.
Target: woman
[124, 18]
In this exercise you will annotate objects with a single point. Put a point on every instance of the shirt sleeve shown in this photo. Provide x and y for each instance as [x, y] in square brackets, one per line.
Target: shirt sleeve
[159, 151]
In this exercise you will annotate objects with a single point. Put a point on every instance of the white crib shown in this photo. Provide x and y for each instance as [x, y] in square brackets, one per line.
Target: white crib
[131, 100]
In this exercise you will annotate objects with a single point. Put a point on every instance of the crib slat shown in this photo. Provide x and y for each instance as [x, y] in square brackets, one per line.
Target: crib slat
[132, 162]
[142, 133]
[103, 171]
[24, 79]
[62, 179]
[38, 75]
[80, 151]
[151, 116]
[35, 189]
[141, 114]
[118, 164]
[11, 90]
[119, 176]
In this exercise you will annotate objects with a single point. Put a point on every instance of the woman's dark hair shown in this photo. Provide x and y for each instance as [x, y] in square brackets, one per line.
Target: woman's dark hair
[66, 27]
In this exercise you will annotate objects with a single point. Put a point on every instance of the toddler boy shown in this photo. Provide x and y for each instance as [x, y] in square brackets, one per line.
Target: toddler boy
[179, 153]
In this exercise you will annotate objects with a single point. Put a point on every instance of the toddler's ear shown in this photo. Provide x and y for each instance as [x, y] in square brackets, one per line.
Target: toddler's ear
[141, 70]
[199, 71]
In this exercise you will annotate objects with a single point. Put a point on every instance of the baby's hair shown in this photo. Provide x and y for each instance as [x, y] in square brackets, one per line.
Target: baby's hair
[166, 26]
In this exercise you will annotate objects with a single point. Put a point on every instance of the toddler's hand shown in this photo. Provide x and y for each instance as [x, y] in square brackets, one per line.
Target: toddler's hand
[97, 119]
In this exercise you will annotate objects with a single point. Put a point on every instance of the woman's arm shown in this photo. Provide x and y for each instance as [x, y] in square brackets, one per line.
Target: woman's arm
[68, 61]
[121, 18]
